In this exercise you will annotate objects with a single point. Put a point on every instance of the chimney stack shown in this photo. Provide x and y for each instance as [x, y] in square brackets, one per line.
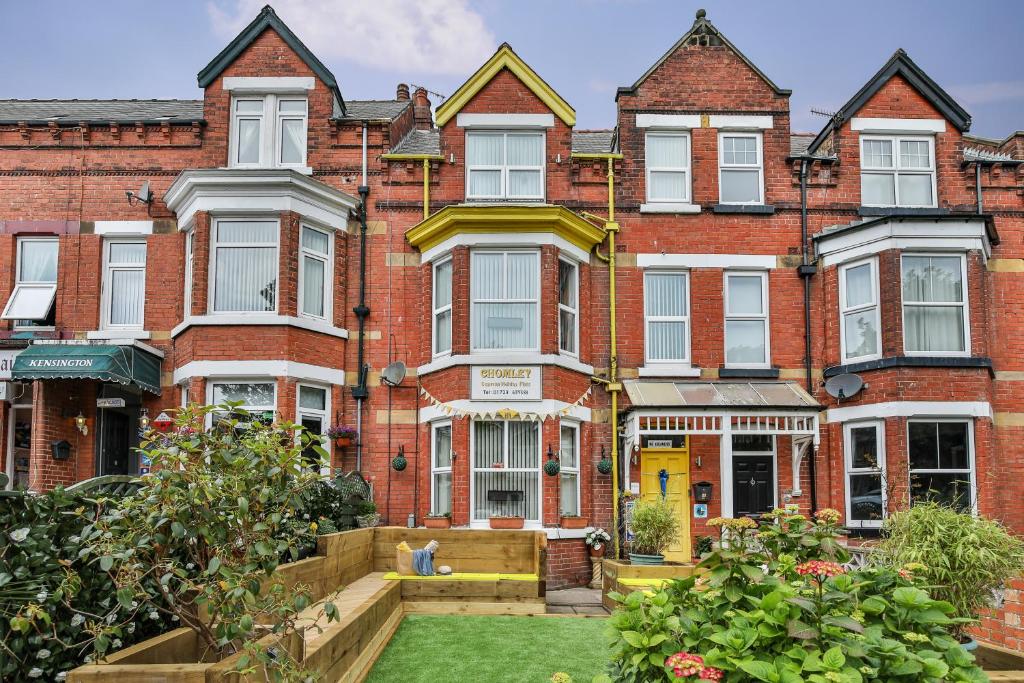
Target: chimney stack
[421, 110]
[403, 92]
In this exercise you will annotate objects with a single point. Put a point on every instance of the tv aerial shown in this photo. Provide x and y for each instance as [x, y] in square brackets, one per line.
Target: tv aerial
[393, 374]
[844, 386]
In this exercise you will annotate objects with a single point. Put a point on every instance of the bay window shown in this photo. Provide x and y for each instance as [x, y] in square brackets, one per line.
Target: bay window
[569, 474]
[315, 273]
[941, 454]
[31, 303]
[740, 168]
[568, 307]
[505, 304]
[504, 165]
[190, 239]
[667, 166]
[245, 266]
[442, 318]
[860, 333]
[506, 470]
[441, 469]
[124, 284]
[313, 413]
[268, 130]
[897, 171]
[667, 317]
[746, 320]
[257, 398]
[864, 447]
[934, 304]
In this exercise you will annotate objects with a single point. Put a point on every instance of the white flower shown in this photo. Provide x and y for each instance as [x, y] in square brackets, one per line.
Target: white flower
[130, 628]
[174, 617]
[62, 676]
[116, 644]
[111, 617]
[36, 672]
[88, 659]
[42, 654]
[190, 565]
[153, 615]
[19, 535]
[42, 595]
[77, 620]
[135, 604]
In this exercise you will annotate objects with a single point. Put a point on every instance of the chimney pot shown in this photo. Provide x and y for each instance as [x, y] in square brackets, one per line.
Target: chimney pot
[403, 92]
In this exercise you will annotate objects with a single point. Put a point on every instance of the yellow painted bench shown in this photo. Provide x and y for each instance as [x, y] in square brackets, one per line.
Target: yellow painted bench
[463, 576]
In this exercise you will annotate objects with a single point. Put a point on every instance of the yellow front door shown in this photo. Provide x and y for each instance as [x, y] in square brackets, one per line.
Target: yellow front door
[675, 461]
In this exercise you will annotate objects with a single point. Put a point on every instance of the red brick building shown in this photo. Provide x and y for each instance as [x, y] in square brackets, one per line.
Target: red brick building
[749, 265]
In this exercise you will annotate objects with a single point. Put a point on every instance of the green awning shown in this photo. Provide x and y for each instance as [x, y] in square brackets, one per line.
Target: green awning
[105, 362]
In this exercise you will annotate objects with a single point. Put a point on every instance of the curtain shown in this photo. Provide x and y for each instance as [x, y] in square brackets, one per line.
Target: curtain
[859, 291]
[915, 189]
[127, 296]
[248, 141]
[443, 299]
[497, 276]
[666, 151]
[38, 261]
[877, 189]
[665, 297]
[667, 185]
[525, 150]
[930, 280]
[313, 277]
[246, 276]
[744, 341]
[745, 295]
[293, 143]
[569, 485]
[312, 398]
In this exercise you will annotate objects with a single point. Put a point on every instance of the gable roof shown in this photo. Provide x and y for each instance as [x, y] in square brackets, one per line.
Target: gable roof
[267, 18]
[505, 58]
[703, 32]
[900, 64]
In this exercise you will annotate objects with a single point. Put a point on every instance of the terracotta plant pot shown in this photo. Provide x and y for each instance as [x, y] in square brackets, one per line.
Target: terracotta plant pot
[597, 552]
[507, 522]
[343, 441]
[437, 522]
[574, 522]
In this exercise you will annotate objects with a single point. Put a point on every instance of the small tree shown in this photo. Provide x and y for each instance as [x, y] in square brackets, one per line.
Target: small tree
[201, 539]
[655, 527]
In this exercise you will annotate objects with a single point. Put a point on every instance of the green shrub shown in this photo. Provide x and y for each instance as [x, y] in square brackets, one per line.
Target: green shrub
[655, 527]
[764, 608]
[962, 557]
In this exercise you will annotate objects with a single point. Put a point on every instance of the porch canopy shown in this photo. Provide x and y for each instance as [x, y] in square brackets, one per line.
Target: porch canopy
[123, 364]
[723, 408]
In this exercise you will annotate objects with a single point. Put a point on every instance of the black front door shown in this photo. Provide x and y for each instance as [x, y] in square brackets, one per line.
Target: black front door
[753, 484]
[115, 442]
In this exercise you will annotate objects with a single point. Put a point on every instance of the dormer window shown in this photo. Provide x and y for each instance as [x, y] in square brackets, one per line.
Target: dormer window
[897, 171]
[269, 131]
[504, 165]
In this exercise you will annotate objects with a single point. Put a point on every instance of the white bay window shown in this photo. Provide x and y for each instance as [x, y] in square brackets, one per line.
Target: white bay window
[505, 300]
[442, 318]
[313, 413]
[935, 304]
[858, 311]
[315, 250]
[245, 266]
[667, 317]
[569, 474]
[941, 454]
[504, 165]
[897, 171]
[124, 284]
[258, 398]
[506, 470]
[746, 320]
[441, 469]
[864, 447]
[568, 307]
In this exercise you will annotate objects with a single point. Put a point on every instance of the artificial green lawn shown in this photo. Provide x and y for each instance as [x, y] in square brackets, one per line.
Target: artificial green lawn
[498, 649]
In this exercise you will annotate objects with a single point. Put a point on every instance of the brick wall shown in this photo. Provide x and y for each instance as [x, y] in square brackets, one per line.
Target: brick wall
[568, 563]
[1004, 625]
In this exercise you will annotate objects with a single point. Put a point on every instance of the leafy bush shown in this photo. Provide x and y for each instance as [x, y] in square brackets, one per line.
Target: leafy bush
[765, 607]
[962, 558]
[655, 527]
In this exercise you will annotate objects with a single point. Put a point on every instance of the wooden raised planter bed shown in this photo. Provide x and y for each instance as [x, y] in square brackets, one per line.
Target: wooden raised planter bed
[1001, 664]
[622, 577]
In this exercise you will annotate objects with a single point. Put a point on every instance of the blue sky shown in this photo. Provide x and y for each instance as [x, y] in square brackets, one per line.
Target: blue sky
[824, 51]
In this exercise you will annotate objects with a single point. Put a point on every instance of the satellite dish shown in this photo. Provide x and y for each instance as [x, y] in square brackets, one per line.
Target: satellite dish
[393, 374]
[844, 386]
[144, 195]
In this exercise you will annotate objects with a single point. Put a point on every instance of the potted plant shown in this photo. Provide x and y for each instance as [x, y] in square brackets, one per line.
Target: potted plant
[507, 522]
[570, 520]
[438, 520]
[597, 541]
[655, 527]
[978, 556]
[367, 515]
[343, 435]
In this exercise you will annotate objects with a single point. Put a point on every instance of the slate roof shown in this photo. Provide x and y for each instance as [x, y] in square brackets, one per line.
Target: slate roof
[100, 111]
[593, 141]
[798, 144]
[374, 110]
[419, 142]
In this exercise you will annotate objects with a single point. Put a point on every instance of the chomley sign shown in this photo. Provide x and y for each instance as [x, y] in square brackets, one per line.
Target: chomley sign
[507, 382]
[60, 363]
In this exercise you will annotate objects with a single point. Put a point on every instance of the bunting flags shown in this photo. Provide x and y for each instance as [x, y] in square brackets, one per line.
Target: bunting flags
[503, 413]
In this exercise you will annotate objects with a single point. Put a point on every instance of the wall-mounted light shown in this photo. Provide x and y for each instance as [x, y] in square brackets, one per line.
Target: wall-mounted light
[451, 158]
[144, 419]
[81, 425]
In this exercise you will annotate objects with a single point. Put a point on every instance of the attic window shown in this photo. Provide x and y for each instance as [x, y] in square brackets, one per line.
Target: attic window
[268, 131]
[504, 165]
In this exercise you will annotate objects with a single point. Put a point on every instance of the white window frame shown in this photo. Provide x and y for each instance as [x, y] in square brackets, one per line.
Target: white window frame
[972, 465]
[328, 261]
[764, 315]
[504, 166]
[473, 469]
[897, 169]
[270, 119]
[190, 246]
[851, 471]
[563, 470]
[845, 309]
[107, 288]
[31, 284]
[323, 415]
[963, 305]
[434, 469]
[722, 166]
[214, 245]
[438, 311]
[210, 384]
[685, 319]
[575, 312]
[279, 119]
[474, 301]
[685, 169]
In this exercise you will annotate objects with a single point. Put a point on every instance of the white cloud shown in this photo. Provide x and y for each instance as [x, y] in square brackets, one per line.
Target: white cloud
[414, 36]
[987, 93]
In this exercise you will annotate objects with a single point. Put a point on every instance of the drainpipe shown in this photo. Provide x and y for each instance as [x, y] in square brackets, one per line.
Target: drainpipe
[359, 392]
[807, 270]
[977, 183]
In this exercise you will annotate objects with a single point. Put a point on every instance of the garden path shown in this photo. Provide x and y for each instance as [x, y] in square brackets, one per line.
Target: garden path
[586, 601]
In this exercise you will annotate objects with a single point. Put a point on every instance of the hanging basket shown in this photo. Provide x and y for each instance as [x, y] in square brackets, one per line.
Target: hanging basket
[551, 468]
[604, 466]
[399, 463]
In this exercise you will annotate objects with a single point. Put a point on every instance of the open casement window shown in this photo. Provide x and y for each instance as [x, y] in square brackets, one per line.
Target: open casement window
[941, 454]
[313, 414]
[504, 165]
[124, 284]
[740, 168]
[569, 474]
[667, 156]
[568, 307]
[442, 322]
[506, 470]
[935, 320]
[667, 317]
[245, 266]
[897, 171]
[505, 307]
[746, 320]
[31, 304]
[315, 273]
[858, 311]
[258, 398]
[441, 469]
[268, 130]
[864, 450]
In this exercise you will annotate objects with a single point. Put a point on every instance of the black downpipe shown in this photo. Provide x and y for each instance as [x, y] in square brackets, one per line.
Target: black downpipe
[977, 183]
[362, 310]
[807, 270]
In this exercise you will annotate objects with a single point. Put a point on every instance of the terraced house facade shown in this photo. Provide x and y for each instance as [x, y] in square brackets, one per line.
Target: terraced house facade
[655, 307]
